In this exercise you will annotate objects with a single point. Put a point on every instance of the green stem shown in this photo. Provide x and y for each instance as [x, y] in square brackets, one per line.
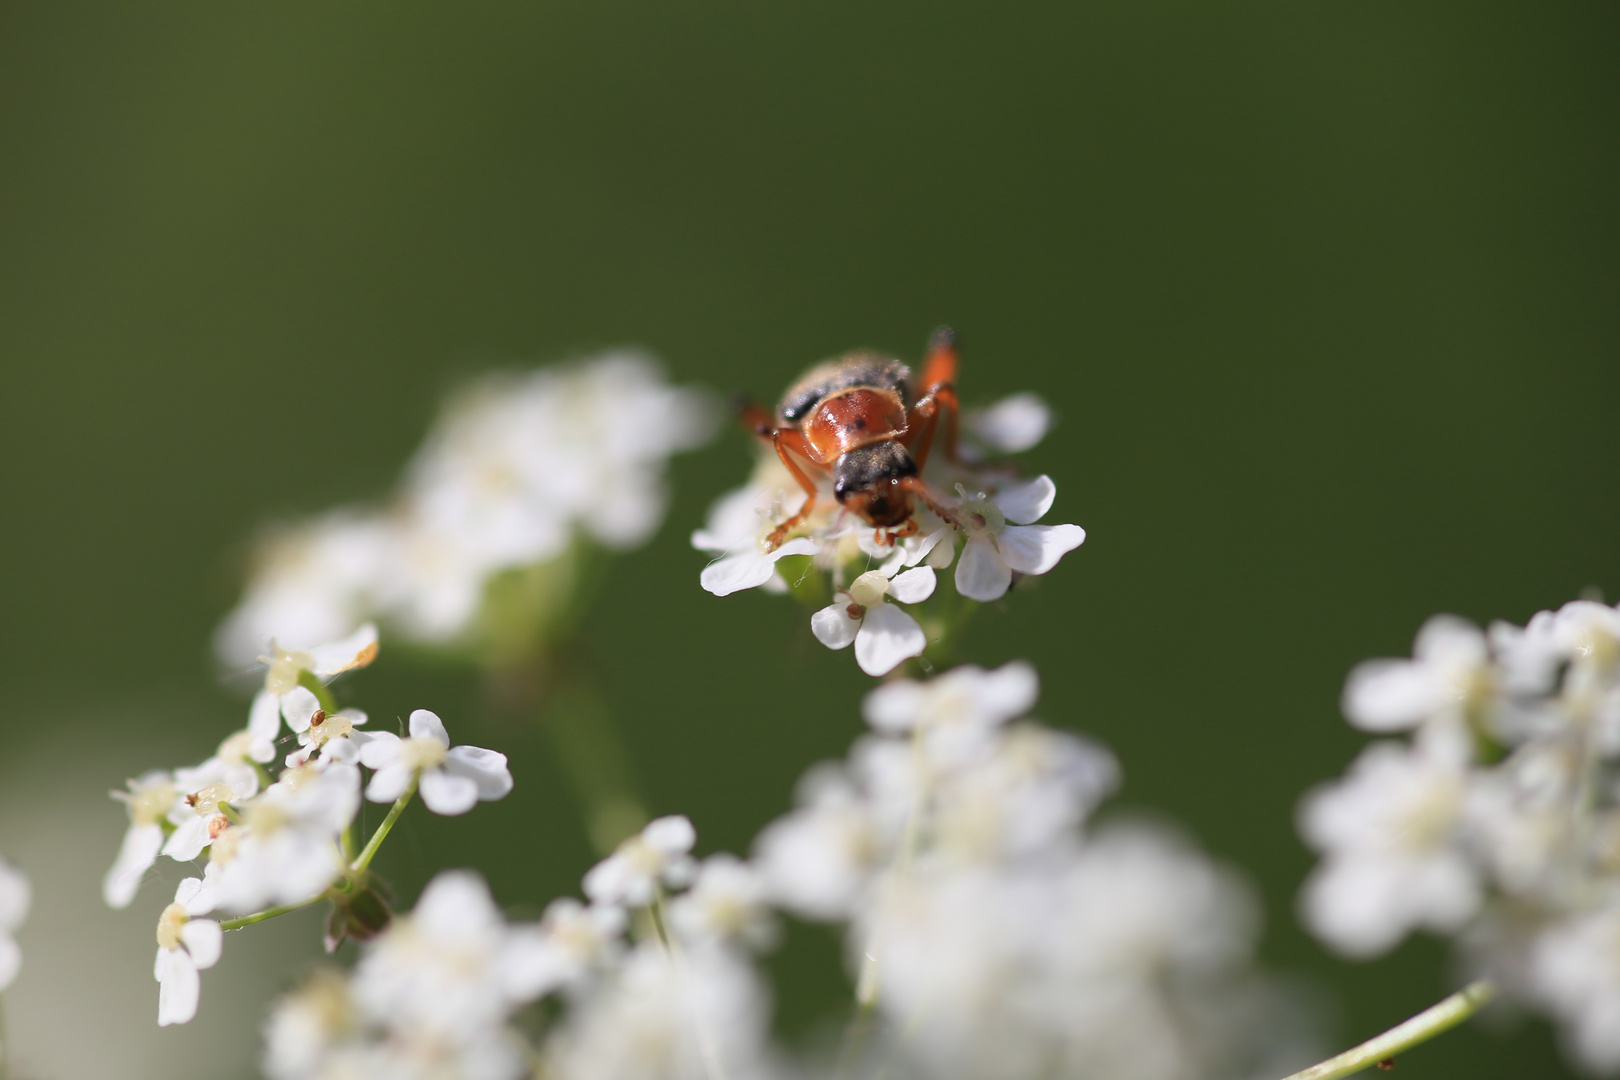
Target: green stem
[370, 850]
[1402, 1037]
[268, 913]
[311, 682]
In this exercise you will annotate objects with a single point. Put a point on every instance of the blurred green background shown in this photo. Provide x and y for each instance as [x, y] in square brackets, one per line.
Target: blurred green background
[1325, 296]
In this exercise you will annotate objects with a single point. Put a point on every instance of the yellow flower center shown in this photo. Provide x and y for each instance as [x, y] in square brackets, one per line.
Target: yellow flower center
[419, 754]
[170, 923]
[869, 589]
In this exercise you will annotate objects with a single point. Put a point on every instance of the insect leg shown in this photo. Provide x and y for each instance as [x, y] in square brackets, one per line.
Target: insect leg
[780, 440]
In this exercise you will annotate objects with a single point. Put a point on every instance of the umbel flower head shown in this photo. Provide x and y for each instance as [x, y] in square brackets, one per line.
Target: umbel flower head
[1497, 820]
[862, 479]
[519, 469]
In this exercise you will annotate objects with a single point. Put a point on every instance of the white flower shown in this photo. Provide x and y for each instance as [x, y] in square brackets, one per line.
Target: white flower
[1575, 970]
[313, 582]
[1012, 425]
[451, 779]
[451, 969]
[958, 708]
[1390, 833]
[287, 848]
[994, 549]
[282, 697]
[149, 799]
[576, 940]
[819, 860]
[666, 1020]
[725, 903]
[15, 895]
[1446, 676]
[307, 1025]
[883, 634]
[658, 855]
[331, 738]
[198, 816]
[186, 945]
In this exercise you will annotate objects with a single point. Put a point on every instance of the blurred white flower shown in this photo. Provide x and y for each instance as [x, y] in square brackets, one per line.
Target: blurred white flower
[1391, 837]
[657, 1019]
[818, 861]
[883, 635]
[452, 969]
[1447, 676]
[186, 945]
[15, 896]
[306, 1026]
[515, 469]
[1012, 425]
[994, 548]
[577, 940]
[150, 798]
[659, 855]
[451, 779]
[1575, 971]
[726, 904]
[956, 710]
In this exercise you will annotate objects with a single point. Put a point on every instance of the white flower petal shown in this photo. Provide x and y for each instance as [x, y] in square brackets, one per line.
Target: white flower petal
[1035, 549]
[356, 650]
[943, 550]
[750, 569]
[447, 794]
[485, 768]
[188, 839]
[833, 625]
[1028, 502]
[1013, 424]
[388, 783]
[895, 707]
[203, 940]
[1391, 695]
[380, 750]
[135, 856]
[887, 636]
[980, 573]
[427, 725]
[298, 705]
[264, 717]
[672, 835]
[178, 987]
[913, 586]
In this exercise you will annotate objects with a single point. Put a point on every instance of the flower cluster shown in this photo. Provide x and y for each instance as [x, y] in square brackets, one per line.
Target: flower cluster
[1497, 819]
[443, 991]
[987, 528]
[995, 935]
[280, 841]
[518, 467]
[991, 935]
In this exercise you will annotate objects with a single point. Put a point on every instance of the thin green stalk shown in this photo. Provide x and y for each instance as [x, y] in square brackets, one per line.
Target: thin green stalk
[1402, 1037]
[370, 850]
[268, 913]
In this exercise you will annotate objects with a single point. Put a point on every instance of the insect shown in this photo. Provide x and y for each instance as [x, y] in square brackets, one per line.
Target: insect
[864, 420]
